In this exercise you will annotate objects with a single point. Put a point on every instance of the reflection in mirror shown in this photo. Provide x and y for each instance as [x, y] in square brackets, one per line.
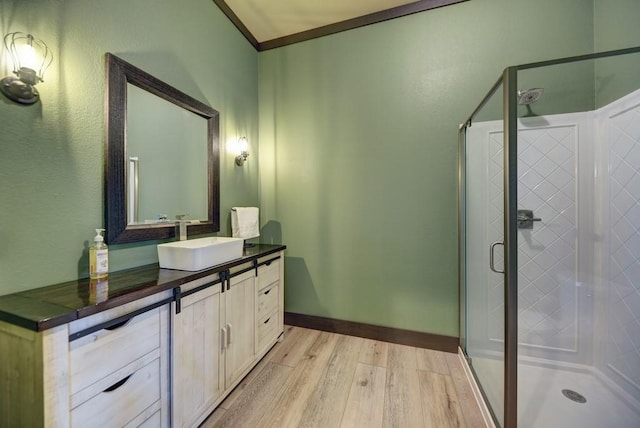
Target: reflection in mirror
[163, 137]
[162, 158]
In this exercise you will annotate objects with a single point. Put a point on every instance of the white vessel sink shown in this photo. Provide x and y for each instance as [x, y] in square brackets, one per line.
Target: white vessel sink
[198, 254]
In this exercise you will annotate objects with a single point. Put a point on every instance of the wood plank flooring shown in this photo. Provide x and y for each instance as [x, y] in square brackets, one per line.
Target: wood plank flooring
[325, 380]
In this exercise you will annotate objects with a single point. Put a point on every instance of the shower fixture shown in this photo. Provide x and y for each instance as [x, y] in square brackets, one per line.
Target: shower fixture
[526, 219]
[530, 96]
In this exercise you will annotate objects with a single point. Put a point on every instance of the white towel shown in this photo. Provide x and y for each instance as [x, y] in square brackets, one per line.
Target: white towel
[244, 222]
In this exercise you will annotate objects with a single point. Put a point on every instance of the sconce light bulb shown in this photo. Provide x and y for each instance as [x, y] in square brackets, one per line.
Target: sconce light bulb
[243, 146]
[28, 57]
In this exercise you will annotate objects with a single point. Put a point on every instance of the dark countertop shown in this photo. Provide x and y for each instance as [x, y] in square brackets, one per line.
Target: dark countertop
[43, 308]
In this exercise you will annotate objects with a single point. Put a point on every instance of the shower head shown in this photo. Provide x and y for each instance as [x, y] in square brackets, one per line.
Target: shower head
[530, 96]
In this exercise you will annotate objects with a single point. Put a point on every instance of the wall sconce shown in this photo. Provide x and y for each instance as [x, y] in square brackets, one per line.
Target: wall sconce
[242, 150]
[31, 57]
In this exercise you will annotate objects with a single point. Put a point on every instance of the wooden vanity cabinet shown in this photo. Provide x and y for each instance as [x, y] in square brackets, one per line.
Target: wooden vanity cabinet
[34, 377]
[195, 351]
[119, 373]
[269, 302]
[238, 349]
[226, 321]
[167, 359]
[107, 369]
[119, 365]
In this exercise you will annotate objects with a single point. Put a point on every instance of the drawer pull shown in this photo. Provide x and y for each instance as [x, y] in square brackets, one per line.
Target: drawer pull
[118, 384]
[267, 292]
[268, 319]
[118, 325]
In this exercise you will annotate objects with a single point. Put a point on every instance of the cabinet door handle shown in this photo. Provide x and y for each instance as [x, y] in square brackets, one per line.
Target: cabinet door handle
[223, 337]
[177, 296]
[228, 334]
[118, 384]
[267, 292]
[223, 279]
[267, 321]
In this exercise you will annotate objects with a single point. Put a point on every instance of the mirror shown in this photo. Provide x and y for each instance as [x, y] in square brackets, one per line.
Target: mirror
[161, 137]
[162, 158]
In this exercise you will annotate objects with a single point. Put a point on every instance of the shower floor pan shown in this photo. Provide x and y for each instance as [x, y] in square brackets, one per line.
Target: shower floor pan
[542, 404]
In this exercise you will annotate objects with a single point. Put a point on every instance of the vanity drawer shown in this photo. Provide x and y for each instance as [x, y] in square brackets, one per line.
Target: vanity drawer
[267, 300]
[267, 330]
[268, 274]
[123, 401]
[94, 356]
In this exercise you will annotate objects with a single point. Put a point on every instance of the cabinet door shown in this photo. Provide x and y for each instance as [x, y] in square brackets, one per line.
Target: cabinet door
[196, 356]
[240, 326]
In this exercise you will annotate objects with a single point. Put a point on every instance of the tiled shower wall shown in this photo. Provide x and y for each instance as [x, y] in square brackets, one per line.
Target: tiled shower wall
[620, 129]
[547, 253]
[548, 294]
[579, 267]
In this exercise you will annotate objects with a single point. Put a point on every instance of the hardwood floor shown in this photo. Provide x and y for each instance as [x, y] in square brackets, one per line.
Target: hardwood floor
[320, 379]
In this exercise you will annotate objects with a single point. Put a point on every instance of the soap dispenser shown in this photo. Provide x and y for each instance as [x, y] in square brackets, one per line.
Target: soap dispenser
[98, 257]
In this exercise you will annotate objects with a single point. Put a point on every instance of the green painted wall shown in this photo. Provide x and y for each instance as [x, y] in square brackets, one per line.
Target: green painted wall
[616, 24]
[616, 27]
[361, 128]
[51, 153]
[357, 139]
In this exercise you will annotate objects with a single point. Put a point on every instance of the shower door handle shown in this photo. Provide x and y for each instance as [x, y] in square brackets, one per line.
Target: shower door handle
[491, 258]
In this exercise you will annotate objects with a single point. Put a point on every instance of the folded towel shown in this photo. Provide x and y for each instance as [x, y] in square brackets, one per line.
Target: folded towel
[244, 222]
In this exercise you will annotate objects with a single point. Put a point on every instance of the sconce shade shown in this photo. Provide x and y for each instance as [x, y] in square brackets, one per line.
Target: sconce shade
[30, 57]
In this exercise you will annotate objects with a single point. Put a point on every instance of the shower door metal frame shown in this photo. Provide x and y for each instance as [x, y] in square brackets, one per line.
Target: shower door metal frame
[462, 232]
[510, 193]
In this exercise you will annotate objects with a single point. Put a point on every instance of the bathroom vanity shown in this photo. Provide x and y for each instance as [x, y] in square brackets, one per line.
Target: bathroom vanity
[152, 347]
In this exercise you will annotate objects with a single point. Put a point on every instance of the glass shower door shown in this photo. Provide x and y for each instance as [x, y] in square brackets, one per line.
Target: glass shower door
[482, 201]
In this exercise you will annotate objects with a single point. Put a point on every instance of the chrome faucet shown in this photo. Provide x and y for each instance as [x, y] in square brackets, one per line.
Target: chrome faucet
[182, 226]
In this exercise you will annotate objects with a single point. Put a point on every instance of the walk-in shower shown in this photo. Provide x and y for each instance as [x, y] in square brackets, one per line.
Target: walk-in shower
[550, 243]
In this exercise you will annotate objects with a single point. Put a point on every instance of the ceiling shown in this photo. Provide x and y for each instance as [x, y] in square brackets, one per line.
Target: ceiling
[268, 24]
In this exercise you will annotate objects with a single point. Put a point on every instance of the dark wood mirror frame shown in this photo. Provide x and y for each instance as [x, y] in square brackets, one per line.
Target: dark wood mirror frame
[119, 74]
